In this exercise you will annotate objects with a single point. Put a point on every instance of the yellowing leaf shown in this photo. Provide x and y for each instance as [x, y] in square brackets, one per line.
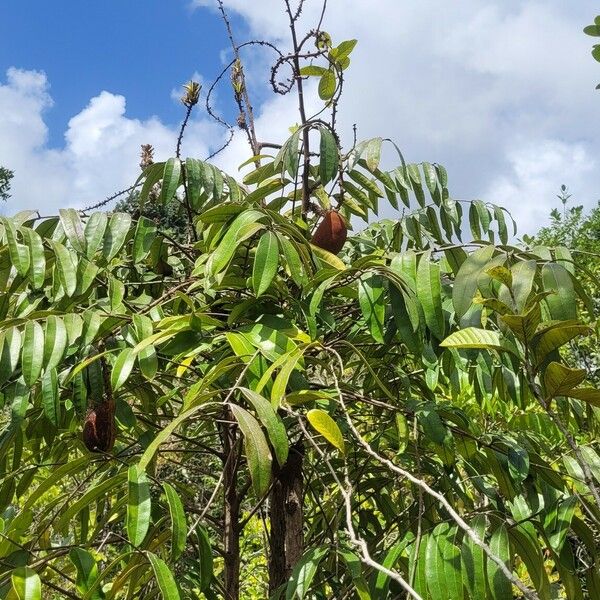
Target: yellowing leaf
[327, 427]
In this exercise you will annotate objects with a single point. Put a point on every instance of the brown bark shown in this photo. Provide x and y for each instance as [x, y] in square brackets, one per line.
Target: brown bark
[286, 517]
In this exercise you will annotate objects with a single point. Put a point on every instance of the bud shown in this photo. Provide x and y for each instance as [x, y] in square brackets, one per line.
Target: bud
[192, 93]
[237, 77]
[147, 156]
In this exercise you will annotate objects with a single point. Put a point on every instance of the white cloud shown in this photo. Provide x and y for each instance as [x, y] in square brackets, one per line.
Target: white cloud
[536, 171]
[477, 86]
[101, 151]
[499, 91]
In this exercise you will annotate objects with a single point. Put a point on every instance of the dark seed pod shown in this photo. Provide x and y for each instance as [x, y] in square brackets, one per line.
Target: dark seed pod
[99, 428]
[331, 233]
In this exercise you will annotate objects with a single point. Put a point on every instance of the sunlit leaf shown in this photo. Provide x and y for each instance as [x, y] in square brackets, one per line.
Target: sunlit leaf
[322, 423]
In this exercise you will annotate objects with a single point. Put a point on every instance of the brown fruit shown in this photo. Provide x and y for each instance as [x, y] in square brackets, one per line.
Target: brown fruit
[331, 233]
[99, 428]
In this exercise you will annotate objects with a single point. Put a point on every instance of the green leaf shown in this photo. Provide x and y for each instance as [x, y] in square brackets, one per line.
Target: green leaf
[518, 463]
[429, 294]
[271, 422]
[373, 153]
[87, 573]
[418, 563]
[94, 232]
[524, 326]
[561, 303]
[257, 450]
[145, 234]
[303, 574]
[472, 337]
[194, 182]
[328, 258]
[94, 492]
[345, 48]
[365, 182]
[163, 435]
[38, 259]
[371, 298]
[559, 380]
[230, 241]
[322, 423]
[443, 565]
[329, 156]
[593, 30]
[355, 569]
[26, 584]
[50, 396]
[415, 182]
[265, 262]
[524, 539]
[281, 381]
[66, 268]
[19, 254]
[138, 505]
[589, 395]
[147, 358]
[170, 179]
[152, 175]
[312, 70]
[500, 586]
[555, 336]
[122, 368]
[32, 358]
[523, 275]
[327, 85]
[474, 560]
[380, 582]
[55, 341]
[293, 261]
[260, 174]
[115, 234]
[73, 227]
[178, 524]
[557, 521]
[431, 181]
[116, 293]
[465, 284]
[206, 558]
[86, 274]
[11, 351]
[164, 578]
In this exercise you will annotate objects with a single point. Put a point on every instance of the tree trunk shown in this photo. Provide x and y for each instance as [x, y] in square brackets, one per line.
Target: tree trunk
[231, 514]
[287, 537]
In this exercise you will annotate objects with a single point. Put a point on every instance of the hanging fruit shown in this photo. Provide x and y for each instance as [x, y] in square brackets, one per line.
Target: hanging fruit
[331, 233]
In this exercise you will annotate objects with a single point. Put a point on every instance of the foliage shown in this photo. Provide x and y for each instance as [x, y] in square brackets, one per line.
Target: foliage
[397, 420]
[5, 176]
[594, 31]
[575, 237]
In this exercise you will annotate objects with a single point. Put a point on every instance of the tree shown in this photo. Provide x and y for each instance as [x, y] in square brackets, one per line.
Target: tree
[5, 176]
[575, 237]
[268, 418]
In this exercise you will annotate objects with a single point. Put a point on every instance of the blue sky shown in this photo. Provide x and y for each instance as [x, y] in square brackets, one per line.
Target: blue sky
[501, 92]
[141, 49]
